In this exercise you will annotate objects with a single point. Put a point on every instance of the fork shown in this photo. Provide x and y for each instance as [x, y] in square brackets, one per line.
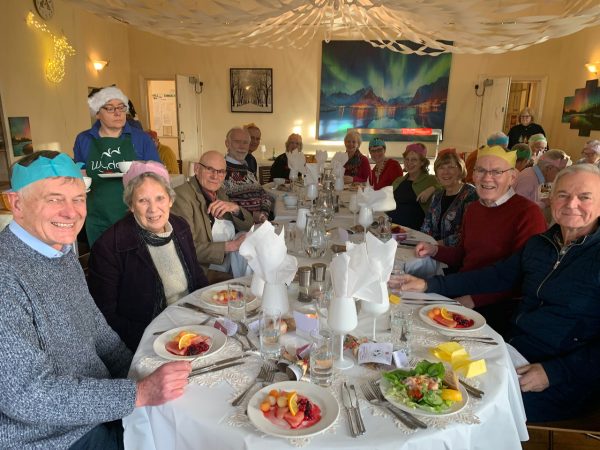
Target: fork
[371, 398]
[377, 391]
[265, 375]
[488, 341]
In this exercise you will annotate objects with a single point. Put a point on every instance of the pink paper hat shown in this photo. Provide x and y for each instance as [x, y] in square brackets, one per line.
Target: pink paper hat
[140, 167]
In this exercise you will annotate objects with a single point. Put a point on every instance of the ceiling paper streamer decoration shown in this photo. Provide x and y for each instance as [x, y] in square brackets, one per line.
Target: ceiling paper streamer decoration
[466, 26]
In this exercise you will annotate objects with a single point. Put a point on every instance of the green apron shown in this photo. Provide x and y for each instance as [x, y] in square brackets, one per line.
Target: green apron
[105, 201]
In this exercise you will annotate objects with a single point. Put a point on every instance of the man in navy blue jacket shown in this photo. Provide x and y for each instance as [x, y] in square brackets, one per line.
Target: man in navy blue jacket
[557, 324]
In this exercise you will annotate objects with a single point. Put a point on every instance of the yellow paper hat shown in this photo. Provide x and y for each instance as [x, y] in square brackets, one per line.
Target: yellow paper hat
[496, 150]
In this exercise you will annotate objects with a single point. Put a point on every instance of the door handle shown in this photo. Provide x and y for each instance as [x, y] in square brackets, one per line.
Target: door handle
[182, 136]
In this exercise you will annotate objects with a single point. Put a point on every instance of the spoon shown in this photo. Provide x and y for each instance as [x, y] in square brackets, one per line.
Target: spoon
[243, 331]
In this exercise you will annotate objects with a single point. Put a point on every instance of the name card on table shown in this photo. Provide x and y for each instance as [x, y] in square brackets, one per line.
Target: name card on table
[378, 353]
[305, 323]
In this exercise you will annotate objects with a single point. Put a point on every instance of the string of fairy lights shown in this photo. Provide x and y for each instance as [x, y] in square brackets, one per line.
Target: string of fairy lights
[55, 67]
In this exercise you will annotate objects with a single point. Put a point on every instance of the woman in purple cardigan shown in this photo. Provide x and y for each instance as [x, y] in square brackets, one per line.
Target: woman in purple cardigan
[146, 260]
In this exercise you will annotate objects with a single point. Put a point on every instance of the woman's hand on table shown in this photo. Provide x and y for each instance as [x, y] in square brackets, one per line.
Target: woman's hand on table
[423, 249]
[466, 301]
[407, 282]
[533, 378]
[234, 245]
[219, 207]
[164, 384]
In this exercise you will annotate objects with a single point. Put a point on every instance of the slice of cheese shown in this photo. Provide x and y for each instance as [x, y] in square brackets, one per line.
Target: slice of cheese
[394, 299]
[459, 358]
[472, 368]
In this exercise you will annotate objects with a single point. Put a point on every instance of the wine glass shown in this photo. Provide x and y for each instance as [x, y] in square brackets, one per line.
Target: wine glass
[342, 319]
[301, 223]
[312, 192]
[365, 218]
[293, 177]
[353, 206]
[375, 310]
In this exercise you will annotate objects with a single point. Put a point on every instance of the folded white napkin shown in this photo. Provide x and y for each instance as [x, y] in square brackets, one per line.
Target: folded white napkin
[380, 260]
[296, 162]
[337, 163]
[381, 200]
[267, 256]
[312, 174]
[321, 157]
[350, 271]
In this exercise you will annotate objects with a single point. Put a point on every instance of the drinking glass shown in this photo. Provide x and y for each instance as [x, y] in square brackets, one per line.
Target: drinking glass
[321, 357]
[236, 304]
[353, 206]
[312, 192]
[401, 319]
[365, 218]
[342, 319]
[270, 332]
[375, 310]
[398, 269]
[301, 222]
[293, 177]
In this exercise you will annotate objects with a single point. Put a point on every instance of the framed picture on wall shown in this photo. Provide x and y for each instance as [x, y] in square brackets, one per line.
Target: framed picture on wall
[251, 90]
[20, 136]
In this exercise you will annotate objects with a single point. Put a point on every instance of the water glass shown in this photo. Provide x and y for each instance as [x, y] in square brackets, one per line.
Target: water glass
[401, 319]
[236, 305]
[270, 332]
[321, 357]
[394, 282]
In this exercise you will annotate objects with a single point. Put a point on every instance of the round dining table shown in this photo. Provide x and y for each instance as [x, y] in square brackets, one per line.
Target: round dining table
[203, 418]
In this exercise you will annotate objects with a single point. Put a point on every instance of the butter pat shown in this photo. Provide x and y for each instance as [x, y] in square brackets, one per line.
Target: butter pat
[447, 351]
[472, 368]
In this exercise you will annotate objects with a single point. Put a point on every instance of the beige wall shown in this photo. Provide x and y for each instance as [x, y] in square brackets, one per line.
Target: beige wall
[59, 112]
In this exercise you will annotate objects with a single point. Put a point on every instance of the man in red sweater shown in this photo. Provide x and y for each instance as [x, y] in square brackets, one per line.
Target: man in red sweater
[493, 228]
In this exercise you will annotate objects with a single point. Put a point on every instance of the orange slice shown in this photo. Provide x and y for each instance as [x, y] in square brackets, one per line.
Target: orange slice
[446, 314]
[186, 340]
[292, 403]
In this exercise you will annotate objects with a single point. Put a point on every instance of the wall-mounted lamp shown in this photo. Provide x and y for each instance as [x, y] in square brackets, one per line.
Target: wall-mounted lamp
[99, 65]
[593, 67]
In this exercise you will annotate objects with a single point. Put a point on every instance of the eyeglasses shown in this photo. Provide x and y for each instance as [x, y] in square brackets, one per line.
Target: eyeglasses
[495, 173]
[524, 117]
[111, 109]
[213, 171]
[590, 154]
[376, 149]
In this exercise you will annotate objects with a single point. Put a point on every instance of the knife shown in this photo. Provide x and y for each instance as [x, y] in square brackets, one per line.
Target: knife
[223, 361]
[345, 394]
[356, 409]
[209, 369]
[198, 309]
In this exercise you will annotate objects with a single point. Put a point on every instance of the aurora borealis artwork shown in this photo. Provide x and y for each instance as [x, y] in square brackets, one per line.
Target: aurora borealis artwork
[367, 87]
[582, 111]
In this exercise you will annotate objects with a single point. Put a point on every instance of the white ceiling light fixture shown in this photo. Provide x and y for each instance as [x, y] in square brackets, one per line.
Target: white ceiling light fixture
[434, 26]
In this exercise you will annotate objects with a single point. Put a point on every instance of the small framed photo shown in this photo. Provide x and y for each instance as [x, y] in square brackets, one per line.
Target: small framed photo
[251, 90]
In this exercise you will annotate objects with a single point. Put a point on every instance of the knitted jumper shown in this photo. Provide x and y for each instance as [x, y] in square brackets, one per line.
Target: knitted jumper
[243, 188]
[58, 353]
[492, 234]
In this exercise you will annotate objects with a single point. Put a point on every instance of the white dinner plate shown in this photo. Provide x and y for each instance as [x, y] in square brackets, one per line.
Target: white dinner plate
[206, 297]
[218, 341]
[456, 407]
[316, 394]
[467, 312]
[111, 175]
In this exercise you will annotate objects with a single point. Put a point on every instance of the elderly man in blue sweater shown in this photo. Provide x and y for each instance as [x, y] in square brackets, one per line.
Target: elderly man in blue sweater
[63, 368]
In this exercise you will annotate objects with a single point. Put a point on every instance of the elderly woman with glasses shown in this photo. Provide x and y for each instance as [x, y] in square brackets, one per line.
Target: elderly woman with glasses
[110, 141]
[386, 170]
[280, 168]
[591, 153]
[525, 129]
[493, 228]
[557, 324]
[448, 204]
[413, 191]
[357, 168]
[538, 145]
[146, 260]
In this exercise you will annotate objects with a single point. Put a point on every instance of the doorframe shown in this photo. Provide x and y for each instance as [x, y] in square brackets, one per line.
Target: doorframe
[543, 79]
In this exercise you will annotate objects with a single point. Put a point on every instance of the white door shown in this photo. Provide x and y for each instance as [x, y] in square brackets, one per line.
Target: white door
[493, 106]
[187, 120]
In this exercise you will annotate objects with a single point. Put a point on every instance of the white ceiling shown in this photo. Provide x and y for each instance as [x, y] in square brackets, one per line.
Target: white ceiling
[467, 26]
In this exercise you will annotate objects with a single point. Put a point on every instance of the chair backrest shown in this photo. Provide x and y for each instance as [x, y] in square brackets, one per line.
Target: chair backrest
[264, 174]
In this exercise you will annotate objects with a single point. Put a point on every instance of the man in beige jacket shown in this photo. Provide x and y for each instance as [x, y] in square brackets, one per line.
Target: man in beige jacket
[204, 204]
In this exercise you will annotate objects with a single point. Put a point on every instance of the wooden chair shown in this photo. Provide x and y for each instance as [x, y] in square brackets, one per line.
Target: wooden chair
[264, 174]
[587, 425]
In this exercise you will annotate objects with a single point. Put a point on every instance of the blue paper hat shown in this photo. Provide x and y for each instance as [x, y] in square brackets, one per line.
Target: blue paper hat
[377, 142]
[61, 166]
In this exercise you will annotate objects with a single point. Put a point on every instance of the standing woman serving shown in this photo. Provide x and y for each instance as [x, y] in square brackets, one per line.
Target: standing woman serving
[110, 141]
[358, 168]
[524, 130]
[413, 191]
[444, 218]
[386, 170]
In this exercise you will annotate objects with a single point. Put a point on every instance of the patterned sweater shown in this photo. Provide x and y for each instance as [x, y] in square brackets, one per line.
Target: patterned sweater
[59, 356]
[242, 187]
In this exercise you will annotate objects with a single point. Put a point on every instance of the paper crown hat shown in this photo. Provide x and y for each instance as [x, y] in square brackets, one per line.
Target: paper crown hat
[59, 166]
[496, 150]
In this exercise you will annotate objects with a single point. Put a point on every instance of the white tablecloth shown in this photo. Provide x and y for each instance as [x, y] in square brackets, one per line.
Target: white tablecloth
[5, 218]
[204, 419]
